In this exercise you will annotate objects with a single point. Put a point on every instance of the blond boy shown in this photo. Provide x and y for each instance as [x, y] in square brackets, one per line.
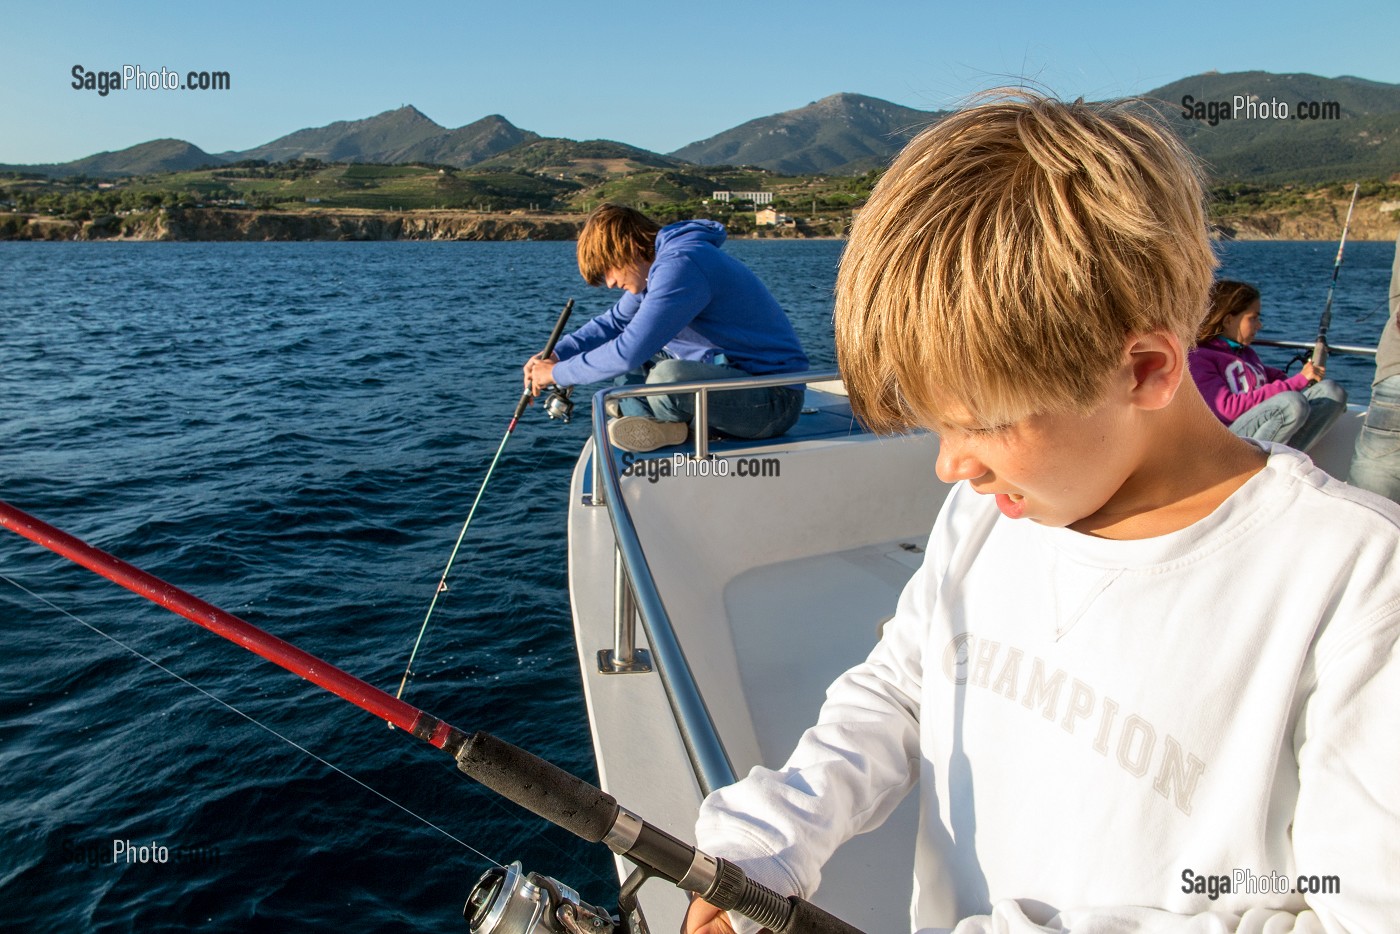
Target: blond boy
[1108, 682]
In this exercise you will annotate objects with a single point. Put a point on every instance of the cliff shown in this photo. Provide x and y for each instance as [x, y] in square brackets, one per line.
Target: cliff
[1316, 216]
[1301, 214]
[213, 224]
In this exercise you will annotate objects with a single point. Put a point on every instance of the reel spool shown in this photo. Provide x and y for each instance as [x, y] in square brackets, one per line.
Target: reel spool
[506, 901]
[557, 403]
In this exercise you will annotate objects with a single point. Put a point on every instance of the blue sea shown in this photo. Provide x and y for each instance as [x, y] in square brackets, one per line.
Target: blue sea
[294, 432]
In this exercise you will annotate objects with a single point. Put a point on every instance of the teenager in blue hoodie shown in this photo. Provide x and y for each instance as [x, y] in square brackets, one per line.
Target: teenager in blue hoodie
[691, 312]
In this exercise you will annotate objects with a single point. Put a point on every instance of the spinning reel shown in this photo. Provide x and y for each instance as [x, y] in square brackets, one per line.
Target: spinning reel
[506, 901]
[557, 403]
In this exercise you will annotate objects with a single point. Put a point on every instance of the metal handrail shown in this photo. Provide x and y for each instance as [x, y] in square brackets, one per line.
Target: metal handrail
[1359, 350]
[707, 755]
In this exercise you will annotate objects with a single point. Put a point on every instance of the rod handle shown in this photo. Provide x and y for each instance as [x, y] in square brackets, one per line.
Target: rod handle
[807, 917]
[558, 328]
[1319, 354]
[539, 786]
[547, 352]
[734, 891]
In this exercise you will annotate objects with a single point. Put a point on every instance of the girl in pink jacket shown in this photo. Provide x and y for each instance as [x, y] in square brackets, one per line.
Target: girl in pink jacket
[1254, 400]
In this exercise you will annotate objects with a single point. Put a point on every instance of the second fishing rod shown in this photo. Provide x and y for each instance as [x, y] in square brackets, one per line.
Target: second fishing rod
[557, 405]
[1319, 354]
[504, 901]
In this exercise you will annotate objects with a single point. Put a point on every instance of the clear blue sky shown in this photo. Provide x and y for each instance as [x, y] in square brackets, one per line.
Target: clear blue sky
[657, 75]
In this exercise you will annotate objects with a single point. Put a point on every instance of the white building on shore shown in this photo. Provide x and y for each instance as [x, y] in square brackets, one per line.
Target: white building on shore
[757, 197]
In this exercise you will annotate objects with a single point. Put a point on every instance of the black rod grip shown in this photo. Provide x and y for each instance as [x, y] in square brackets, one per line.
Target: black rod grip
[546, 353]
[520, 407]
[558, 328]
[807, 918]
[732, 890]
[539, 786]
[658, 850]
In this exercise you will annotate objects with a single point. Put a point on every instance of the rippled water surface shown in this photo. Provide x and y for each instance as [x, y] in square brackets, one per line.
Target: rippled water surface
[295, 432]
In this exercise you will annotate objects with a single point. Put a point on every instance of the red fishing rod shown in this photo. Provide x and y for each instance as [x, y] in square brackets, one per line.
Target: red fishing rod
[536, 785]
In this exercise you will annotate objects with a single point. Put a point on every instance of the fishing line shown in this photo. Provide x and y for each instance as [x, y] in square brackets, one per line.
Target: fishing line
[53, 606]
[563, 853]
[534, 469]
[1383, 303]
[442, 582]
[525, 400]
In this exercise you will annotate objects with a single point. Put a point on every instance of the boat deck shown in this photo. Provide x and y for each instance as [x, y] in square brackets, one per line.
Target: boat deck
[774, 586]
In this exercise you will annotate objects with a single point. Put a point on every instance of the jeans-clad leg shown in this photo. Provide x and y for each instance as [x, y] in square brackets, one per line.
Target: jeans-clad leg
[1274, 419]
[633, 406]
[1297, 419]
[1327, 400]
[1376, 464]
[740, 413]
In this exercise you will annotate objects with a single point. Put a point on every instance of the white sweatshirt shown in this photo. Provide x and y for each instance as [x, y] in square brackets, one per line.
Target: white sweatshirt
[1105, 728]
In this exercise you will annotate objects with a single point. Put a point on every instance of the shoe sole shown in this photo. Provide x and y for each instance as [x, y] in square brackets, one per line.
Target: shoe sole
[639, 434]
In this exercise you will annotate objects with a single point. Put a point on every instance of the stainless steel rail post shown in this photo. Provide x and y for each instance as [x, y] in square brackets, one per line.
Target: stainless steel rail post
[624, 657]
[702, 423]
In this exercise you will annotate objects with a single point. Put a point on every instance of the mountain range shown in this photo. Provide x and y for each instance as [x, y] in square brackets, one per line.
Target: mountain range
[843, 134]
[1356, 132]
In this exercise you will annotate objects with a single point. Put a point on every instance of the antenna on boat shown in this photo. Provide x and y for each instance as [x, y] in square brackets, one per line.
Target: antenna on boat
[524, 403]
[1319, 354]
[532, 783]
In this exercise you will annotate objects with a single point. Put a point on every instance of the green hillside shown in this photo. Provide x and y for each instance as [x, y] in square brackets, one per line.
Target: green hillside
[1354, 131]
[158, 155]
[824, 136]
[299, 185]
[365, 140]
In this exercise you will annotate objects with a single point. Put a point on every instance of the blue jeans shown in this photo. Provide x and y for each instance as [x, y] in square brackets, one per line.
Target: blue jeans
[1376, 464]
[1296, 419]
[739, 413]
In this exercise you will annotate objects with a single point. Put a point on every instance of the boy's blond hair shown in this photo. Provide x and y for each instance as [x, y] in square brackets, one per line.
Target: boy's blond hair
[614, 237]
[1006, 256]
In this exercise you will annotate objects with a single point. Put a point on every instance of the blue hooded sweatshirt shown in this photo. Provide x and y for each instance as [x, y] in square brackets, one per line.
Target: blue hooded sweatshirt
[699, 302]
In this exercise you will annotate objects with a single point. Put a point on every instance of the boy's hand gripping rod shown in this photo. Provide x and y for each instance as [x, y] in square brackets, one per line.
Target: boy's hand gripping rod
[529, 781]
[1319, 354]
[514, 420]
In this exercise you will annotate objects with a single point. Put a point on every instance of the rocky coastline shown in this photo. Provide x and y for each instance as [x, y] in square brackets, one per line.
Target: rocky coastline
[1375, 221]
[227, 225]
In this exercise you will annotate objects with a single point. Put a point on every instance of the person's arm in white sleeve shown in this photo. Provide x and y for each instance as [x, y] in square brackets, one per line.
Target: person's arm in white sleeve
[845, 776]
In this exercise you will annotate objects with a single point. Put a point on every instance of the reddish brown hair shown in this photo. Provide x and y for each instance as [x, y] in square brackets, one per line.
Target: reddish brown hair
[614, 236]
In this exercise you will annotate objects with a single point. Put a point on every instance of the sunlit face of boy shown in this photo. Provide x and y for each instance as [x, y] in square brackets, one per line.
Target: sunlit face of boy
[632, 277]
[1058, 470]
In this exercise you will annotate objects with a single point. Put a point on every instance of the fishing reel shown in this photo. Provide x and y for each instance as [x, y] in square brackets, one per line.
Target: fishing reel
[506, 901]
[557, 403]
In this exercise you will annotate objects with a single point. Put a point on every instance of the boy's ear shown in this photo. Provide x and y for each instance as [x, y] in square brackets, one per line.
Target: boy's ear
[1156, 365]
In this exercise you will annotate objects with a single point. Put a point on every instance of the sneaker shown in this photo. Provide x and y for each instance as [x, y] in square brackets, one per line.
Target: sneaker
[613, 407]
[637, 433]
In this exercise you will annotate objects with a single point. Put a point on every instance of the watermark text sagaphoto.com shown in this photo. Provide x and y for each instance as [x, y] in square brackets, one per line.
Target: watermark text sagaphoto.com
[1246, 882]
[134, 77]
[654, 469]
[1254, 107]
[134, 853]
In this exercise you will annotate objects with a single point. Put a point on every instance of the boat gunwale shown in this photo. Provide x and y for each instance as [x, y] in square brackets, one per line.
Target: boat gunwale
[708, 756]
